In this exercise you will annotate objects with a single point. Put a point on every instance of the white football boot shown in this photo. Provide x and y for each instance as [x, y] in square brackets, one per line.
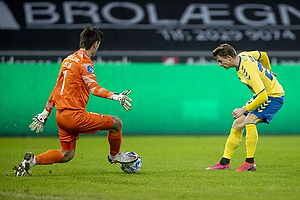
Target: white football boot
[25, 165]
[122, 158]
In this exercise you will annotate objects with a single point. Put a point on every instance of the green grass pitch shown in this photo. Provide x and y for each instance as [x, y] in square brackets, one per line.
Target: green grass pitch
[173, 167]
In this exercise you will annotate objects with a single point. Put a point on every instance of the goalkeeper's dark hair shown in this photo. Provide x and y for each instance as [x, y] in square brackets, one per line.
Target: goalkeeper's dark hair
[223, 50]
[89, 36]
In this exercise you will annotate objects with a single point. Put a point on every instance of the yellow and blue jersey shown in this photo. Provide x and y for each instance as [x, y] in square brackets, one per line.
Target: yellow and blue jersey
[254, 71]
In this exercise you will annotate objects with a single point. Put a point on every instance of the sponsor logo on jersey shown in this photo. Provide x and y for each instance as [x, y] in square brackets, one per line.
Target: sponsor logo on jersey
[90, 69]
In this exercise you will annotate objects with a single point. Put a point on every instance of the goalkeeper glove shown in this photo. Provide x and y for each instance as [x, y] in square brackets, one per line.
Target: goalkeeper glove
[39, 121]
[123, 99]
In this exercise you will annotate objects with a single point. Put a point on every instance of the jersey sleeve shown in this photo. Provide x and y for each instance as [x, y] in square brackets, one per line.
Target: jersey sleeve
[264, 60]
[260, 98]
[50, 104]
[90, 80]
[260, 56]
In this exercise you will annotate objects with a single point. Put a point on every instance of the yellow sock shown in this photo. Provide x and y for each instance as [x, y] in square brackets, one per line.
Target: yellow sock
[232, 142]
[251, 139]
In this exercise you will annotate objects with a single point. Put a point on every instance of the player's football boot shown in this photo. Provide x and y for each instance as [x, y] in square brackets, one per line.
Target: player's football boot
[122, 158]
[25, 165]
[247, 167]
[219, 166]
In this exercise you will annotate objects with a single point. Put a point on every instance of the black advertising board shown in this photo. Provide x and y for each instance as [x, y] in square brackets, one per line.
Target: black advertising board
[151, 26]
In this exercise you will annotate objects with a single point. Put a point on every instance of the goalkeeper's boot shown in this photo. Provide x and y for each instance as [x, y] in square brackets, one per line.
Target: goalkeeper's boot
[122, 158]
[25, 165]
[219, 166]
[247, 167]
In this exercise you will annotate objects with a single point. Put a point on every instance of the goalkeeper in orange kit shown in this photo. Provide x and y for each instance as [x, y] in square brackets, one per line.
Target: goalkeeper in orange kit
[75, 82]
[253, 69]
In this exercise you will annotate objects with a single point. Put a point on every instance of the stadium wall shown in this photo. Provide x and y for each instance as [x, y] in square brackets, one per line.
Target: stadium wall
[167, 99]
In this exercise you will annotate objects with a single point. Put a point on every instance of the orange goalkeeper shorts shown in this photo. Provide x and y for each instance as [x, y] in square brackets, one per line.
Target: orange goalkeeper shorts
[72, 122]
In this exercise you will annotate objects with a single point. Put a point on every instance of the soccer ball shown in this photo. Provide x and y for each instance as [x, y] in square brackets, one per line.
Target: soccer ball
[132, 167]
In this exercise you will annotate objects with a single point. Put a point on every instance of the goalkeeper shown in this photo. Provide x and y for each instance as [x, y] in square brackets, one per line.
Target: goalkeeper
[75, 82]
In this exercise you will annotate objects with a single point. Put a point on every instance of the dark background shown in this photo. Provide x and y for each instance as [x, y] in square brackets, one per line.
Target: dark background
[122, 37]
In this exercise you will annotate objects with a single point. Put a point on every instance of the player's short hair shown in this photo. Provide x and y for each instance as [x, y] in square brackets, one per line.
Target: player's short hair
[89, 36]
[223, 50]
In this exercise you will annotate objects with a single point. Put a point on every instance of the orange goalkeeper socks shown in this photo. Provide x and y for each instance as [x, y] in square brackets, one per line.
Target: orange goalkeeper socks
[114, 140]
[49, 157]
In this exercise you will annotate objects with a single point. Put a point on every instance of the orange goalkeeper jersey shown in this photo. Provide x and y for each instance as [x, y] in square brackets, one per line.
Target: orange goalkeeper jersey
[76, 79]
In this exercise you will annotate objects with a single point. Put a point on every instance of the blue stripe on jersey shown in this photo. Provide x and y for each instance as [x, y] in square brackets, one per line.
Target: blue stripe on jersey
[259, 55]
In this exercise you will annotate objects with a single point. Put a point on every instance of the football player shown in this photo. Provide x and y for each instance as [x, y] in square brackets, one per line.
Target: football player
[253, 69]
[76, 80]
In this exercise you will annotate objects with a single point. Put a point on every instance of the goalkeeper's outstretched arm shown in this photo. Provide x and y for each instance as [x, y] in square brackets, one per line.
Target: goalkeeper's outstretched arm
[124, 100]
[91, 81]
[40, 119]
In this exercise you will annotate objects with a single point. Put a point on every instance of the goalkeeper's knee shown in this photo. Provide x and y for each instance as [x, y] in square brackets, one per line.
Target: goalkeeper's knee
[117, 125]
